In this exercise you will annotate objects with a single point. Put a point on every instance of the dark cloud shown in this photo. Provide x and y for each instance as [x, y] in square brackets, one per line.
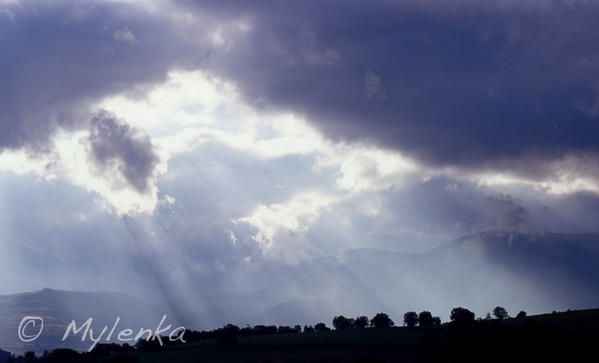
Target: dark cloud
[480, 85]
[59, 57]
[473, 84]
[184, 251]
[117, 145]
[464, 83]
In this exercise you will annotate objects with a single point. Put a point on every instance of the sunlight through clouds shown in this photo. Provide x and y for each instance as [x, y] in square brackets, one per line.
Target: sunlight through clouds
[262, 162]
[194, 109]
[70, 160]
[294, 216]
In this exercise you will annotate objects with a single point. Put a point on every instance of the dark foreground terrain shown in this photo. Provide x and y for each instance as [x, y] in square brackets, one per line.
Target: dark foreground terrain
[537, 271]
[556, 337]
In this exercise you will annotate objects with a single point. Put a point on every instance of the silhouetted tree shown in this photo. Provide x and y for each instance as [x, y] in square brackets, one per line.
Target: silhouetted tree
[410, 319]
[63, 355]
[461, 315]
[308, 329]
[106, 349]
[247, 330]
[320, 327]
[381, 320]
[29, 357]
[425, 318]
[230, 328]
[500, 313]
[341, 322]
[521, 314]
[298, 328]
[285, 329]
[351, 322]
[4, 356]
[361, 322]
[436, 321]
[264, 330]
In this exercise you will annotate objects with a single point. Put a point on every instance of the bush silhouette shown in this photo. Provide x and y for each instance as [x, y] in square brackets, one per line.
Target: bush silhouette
[500, 313]
[461, 315]
[361, 322]
[341, 322]
[425, 318]
[381, 320]
[321, 327]
[410, 319]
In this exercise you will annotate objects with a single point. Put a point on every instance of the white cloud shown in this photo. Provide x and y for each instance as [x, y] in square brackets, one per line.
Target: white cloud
[365, 168]
[570, 174]
[22, 162]
[70, 159]
[167, 201]
[194, 108]
[189, 109]
[278, 222]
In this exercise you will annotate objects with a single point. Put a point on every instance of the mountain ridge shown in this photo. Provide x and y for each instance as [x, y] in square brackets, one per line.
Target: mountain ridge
[480, 270]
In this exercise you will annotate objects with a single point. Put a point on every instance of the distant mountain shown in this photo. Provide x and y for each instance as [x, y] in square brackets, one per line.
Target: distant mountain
[539, 272]
[535, 272]
[563, 267]
[59, 308]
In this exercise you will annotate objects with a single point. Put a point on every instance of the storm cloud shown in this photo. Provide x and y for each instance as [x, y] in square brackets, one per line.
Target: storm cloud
[474, 84]
[227, 146]
[59, 58]
[116, 147]
[477, 85]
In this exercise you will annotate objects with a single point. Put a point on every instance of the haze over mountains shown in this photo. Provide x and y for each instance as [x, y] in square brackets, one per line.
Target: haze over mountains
[59, 308]
[535, 272]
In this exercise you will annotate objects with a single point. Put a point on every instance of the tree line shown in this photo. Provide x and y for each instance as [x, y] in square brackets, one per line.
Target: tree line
[229, 334]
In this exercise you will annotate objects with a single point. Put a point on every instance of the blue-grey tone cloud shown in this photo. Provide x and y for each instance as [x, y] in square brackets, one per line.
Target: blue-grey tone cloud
[473, 84]
[116, 146]
[60, 57]
[468, 83]
[459, 88]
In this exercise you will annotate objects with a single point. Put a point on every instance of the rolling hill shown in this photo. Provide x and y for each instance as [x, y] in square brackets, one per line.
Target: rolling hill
[535, 272]
[59, 308]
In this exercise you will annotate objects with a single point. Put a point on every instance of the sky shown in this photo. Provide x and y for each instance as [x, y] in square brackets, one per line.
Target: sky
[160, 146]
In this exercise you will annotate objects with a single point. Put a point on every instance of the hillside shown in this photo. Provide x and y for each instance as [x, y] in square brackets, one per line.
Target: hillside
[514, 340]
[59, 308]
[565, 336]
[534, 272]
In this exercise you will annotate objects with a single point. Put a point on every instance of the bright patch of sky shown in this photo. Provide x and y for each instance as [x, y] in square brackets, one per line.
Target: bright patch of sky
[193, 109]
